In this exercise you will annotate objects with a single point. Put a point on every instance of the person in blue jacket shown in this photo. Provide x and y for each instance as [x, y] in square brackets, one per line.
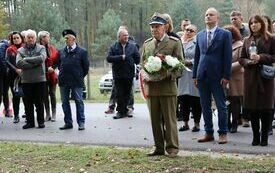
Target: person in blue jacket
[73, 65]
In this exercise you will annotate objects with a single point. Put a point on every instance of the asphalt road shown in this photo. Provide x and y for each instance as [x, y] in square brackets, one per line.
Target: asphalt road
[102, 129]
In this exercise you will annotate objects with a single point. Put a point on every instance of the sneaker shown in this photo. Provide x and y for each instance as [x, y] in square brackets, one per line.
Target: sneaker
[130, 111]
[81, 126]
[119, 116]
[16, 120]
[184, 128]
[195, 129]
[246, 123]
[109, 111]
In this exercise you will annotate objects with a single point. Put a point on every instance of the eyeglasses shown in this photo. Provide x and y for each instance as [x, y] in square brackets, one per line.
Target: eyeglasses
[190, 30]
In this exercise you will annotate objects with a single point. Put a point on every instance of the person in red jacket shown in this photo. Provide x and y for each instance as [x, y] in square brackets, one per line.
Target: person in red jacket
[14, 72]
[52, 54]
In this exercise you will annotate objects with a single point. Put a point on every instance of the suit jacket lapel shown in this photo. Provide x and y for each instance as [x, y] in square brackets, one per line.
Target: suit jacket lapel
[214, 36]
[204, 40]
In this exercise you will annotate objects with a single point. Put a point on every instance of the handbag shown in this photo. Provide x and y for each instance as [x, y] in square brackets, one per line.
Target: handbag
[17, 89]
[267, 72]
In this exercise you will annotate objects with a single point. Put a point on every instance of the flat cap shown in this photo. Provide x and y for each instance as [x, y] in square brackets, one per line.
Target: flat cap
[68, 31]
[157, 18]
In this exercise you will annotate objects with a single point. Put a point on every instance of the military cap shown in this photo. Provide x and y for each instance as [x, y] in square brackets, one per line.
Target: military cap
[157, 18]
[68, 31]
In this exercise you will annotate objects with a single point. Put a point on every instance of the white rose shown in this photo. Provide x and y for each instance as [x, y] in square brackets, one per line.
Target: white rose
[153, 64]
[171, 61]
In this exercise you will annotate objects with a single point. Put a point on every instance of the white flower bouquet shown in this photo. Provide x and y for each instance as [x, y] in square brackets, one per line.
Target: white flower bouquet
[158, 67]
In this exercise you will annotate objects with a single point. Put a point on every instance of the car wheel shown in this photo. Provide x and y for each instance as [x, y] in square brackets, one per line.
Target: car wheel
[101, 91]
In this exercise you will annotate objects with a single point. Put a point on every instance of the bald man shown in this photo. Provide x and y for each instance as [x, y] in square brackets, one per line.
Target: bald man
[211, 73]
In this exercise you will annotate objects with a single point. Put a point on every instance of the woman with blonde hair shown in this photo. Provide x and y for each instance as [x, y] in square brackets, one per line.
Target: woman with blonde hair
[188, 94]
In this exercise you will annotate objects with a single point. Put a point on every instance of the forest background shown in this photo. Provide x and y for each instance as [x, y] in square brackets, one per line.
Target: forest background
[96, 21]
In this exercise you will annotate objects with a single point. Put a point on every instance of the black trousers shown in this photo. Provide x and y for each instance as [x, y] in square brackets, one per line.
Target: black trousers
[113, 97]
[34, 95]
[4, 91]
[234, 110]
[190, 104]
[123, 89]
[265, 117]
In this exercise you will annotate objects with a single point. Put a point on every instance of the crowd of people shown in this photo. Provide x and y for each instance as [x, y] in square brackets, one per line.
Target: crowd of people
[223, 71]
[28, 68]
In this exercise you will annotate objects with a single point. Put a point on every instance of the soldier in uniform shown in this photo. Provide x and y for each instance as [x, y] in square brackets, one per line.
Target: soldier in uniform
[161, 95]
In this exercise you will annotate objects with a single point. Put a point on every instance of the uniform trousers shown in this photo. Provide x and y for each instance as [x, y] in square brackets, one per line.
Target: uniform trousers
[164, 122]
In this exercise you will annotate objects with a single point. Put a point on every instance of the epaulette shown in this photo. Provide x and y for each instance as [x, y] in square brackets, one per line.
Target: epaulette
[174, 38]
[149, 39]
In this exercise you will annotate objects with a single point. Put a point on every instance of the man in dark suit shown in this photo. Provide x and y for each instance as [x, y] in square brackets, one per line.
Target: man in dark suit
[161, 95]
[211, 73]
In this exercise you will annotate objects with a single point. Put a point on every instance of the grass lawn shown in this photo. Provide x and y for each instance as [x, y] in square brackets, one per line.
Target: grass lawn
[22, 157]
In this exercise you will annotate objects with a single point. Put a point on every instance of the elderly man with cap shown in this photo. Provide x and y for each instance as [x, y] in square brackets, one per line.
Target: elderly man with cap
[31, 60]
[161, 95]
[52, 54]
[73, 64]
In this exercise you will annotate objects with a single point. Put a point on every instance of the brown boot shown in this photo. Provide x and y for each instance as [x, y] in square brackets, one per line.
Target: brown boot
[223, 139]
[206, 138]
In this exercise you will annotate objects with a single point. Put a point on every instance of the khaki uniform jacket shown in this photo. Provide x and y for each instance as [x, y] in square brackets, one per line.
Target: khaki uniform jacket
[168, 46]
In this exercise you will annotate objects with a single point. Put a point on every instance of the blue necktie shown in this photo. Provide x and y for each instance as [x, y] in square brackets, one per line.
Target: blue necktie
[70, 49]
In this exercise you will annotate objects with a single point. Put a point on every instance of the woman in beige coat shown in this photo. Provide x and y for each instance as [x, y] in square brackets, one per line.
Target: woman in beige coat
[235, 93]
